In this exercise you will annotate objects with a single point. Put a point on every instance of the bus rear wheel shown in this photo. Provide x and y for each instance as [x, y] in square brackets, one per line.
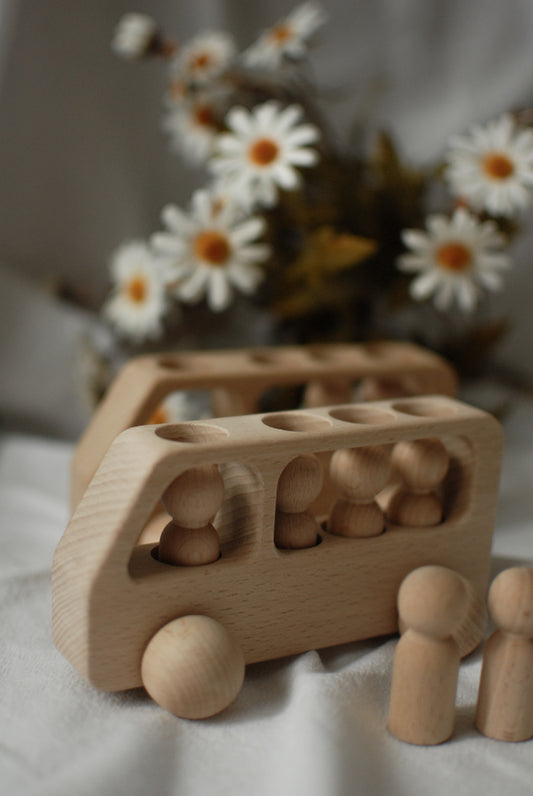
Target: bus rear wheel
[192, 667]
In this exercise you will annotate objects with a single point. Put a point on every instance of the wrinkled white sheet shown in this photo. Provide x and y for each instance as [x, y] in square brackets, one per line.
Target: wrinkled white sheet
[313, 724]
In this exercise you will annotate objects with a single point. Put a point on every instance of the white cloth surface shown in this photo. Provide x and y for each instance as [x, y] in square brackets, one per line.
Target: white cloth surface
[314, 724]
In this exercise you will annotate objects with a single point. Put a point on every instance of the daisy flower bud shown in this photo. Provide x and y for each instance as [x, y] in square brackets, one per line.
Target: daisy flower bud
[206, 57]
[134, 36]
[287, 39]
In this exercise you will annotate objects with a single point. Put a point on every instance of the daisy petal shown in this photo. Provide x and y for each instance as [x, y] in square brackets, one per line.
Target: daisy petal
[305, 134]
[302, 157]
[424, 285]
[265, 115]
[415, 239]
[444, 296]
[248, 230]
[175, 219]
[193, 287]
[287, 177]
[466, 295]
[246, 278]
[288, 118]
[166, 244]
[219, 292]
[239, 120]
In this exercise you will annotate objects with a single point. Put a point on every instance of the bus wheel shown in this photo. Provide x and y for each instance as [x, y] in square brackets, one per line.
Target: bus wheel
[192, 667]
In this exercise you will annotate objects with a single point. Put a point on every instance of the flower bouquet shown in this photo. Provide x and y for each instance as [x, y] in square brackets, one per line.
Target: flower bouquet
[329, 240]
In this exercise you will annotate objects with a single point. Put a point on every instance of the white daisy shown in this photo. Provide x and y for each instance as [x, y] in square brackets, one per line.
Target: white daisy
[261, 152]
[492, 166]
[206, 57]
[138, 301]
[134, 36]
[454, 258]
[210, 250]
[182, 405]
[193, 127]
[288, 38]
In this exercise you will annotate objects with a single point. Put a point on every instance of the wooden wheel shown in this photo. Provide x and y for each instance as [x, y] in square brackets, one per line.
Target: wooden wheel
[192, 667]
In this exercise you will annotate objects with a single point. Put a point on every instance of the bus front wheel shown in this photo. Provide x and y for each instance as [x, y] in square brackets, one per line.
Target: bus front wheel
[192, 667]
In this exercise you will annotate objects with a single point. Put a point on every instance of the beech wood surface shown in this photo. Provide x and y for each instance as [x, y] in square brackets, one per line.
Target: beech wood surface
[432, 602]
[111, 595]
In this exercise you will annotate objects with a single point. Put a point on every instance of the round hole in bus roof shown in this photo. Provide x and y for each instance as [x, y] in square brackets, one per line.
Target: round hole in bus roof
[296, 421]
[197, 433]
[425, 407]
[363, 415]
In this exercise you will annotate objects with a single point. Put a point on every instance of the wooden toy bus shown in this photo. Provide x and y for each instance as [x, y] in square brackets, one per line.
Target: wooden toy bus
[123, 617]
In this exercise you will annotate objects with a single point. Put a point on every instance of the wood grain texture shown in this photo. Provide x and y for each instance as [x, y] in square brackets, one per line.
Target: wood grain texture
[192, 667]
[237, 379]
[110, 596]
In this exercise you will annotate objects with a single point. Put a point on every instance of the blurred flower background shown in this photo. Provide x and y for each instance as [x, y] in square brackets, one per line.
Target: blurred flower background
[324, 174]
[332, 239]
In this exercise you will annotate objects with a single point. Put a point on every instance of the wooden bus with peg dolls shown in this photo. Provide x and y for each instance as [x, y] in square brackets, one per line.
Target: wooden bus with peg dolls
[283, 532]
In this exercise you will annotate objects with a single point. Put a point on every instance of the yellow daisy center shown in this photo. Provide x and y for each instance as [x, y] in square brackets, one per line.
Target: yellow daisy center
[212, 247]
[204, 117]
[281, 33]
[497, 165]
[200, 60]
[263, 152]
[454, 257]
[158, 416]
[137, 289]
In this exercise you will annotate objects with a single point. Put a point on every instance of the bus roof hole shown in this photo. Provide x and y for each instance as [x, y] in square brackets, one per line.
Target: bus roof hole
[198, 433]
[296, 421]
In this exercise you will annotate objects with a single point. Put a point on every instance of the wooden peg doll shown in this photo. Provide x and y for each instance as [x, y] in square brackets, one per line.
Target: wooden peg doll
[431, 604]
[505, 699]
[359, 474]
[470, 631]
[192, 500]
[298, 485]
[422, 465]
